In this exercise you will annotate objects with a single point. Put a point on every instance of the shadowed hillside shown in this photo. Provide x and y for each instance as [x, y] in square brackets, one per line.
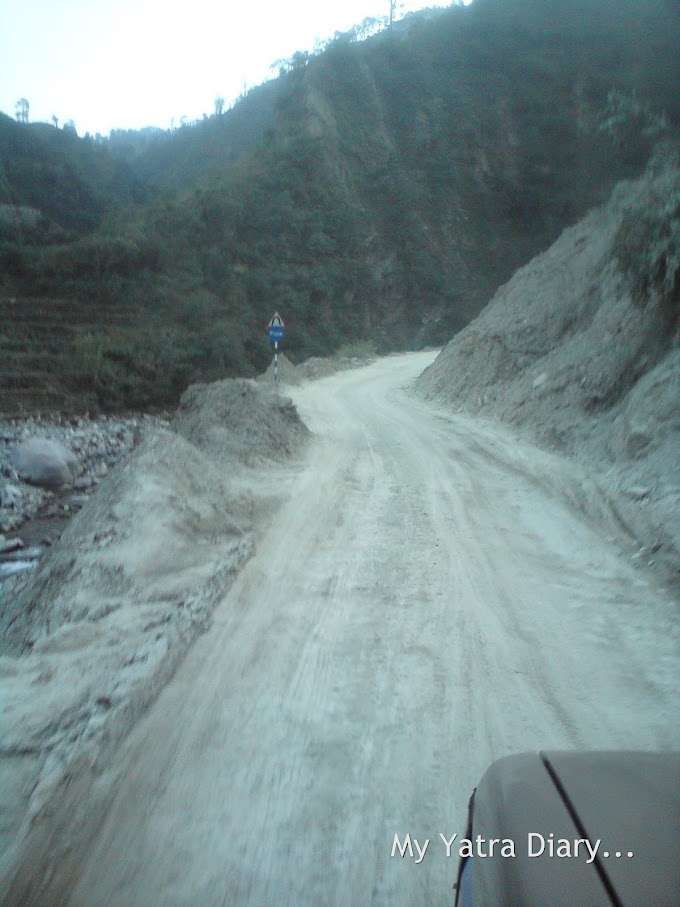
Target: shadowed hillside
[379, 191]
[73, 182]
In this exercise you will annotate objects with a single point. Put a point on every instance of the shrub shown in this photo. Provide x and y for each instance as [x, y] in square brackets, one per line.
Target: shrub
[648, 246]
[359, 349]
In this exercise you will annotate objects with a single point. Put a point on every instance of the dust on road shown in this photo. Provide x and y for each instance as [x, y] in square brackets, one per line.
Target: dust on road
[433, 595]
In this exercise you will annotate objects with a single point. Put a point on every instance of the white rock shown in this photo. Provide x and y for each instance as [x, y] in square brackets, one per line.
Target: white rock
[45, 462]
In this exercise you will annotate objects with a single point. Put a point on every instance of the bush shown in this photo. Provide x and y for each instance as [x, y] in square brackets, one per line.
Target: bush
[648, 246]
[359, 349]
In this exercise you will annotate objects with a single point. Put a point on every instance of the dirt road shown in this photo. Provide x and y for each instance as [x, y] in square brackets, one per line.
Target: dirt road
[430, 597]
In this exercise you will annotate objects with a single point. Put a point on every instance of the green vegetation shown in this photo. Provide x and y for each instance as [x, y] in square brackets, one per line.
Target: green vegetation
[648, 250]
[360, 349]
[377, 192]
[74, 182]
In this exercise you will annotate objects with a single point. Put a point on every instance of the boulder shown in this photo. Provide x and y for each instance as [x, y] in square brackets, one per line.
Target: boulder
[44, 462]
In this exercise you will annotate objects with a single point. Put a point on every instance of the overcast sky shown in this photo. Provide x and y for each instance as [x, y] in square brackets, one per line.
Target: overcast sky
[108, 64]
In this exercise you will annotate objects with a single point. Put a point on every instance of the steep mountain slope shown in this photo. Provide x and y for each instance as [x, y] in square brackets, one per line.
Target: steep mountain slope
[429, 161]
[468, 140]
[190, 154]
[581, 351]
[379, 191]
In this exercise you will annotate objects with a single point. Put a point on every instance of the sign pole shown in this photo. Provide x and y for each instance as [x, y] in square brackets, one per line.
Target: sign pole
[275, 329]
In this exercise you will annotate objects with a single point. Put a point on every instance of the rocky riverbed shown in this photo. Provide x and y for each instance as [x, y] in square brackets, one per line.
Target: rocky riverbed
[34, 514]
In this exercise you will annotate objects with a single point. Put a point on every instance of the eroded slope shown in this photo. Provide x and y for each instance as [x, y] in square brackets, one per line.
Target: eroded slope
[579, 350]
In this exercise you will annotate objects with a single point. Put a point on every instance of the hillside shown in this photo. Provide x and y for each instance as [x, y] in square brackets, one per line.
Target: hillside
[379, 191]
[192, 153]
[581, 351]
[73, 182]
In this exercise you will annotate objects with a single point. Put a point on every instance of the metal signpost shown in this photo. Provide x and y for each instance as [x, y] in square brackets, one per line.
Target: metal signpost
[276, 329]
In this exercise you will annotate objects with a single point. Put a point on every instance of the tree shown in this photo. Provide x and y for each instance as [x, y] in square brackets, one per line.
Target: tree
[219, 106]
[369, 27]
[55, 120]
[22, 110]
[627, 120]
[298, 61]
[70, 126]
[393, 7]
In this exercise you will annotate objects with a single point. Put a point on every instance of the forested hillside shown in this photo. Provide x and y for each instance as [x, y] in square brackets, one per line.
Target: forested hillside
[73, 182]
[378, 191]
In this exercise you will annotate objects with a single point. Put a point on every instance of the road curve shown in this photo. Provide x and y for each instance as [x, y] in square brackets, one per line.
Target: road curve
[430, 597]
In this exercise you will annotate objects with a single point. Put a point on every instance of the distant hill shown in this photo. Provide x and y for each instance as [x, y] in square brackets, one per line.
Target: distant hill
[72, 181]
[190, 154]
[378, 191]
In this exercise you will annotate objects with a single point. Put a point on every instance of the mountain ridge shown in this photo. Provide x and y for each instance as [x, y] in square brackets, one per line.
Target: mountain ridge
[387, 188]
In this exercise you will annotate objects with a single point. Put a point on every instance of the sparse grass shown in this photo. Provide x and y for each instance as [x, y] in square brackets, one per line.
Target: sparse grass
[648, 246]
[358, 349]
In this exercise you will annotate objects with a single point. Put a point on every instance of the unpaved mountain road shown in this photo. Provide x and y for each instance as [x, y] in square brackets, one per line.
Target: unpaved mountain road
[430, 597]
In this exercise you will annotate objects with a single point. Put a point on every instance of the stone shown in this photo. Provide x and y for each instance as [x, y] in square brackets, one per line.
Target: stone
[7, 545]
[44, 462]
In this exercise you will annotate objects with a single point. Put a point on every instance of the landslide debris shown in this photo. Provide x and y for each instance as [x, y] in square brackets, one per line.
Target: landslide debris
[287, 372]
[316, 367]
[580, 352]
[239, 421]
[89, 638]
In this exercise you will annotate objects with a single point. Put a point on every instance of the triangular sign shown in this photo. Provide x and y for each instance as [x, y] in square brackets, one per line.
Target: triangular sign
[276, 321]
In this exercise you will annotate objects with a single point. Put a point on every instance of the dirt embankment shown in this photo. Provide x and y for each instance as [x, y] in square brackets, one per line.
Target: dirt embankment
[580, 351]
[92, 635]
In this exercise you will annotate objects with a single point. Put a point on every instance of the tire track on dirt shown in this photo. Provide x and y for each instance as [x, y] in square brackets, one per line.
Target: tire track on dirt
[402, 623]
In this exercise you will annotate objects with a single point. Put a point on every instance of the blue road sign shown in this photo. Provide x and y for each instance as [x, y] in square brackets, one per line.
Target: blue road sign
[276, 333]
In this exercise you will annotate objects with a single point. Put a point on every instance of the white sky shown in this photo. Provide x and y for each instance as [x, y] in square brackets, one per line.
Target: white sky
[108, 64]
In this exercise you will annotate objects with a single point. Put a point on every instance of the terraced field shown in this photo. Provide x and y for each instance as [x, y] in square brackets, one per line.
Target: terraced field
[41, 364]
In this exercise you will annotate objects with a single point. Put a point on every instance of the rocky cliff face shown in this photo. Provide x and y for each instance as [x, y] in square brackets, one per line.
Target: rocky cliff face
[580, 350]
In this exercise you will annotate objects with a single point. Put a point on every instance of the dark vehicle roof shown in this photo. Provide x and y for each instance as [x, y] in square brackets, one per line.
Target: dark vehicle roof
[629, 800]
